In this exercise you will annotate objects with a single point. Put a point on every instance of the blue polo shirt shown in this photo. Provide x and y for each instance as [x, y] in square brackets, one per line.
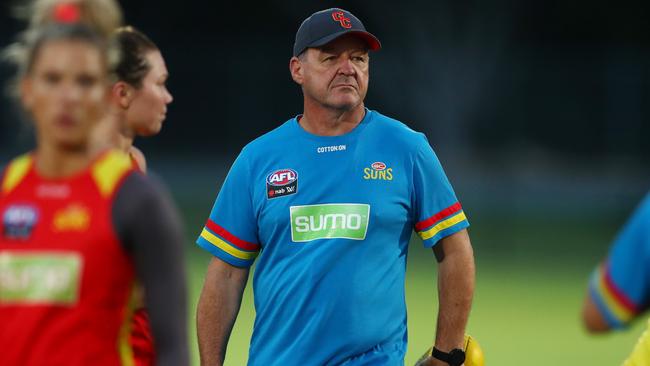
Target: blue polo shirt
[328, 221]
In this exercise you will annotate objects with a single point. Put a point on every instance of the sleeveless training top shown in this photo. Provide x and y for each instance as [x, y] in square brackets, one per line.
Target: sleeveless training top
[65, 279]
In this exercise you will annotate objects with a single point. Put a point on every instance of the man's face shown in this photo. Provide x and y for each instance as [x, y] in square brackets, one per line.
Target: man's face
[335, 75]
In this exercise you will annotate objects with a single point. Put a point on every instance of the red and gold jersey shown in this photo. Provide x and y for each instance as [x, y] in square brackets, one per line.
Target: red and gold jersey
[65, 278]
[141, 338]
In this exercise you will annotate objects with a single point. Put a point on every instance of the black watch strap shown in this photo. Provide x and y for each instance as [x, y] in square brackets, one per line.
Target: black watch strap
[455, 357]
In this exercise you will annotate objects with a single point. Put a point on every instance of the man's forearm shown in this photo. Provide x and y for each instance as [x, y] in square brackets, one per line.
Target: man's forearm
[455, 290]
[217, 309]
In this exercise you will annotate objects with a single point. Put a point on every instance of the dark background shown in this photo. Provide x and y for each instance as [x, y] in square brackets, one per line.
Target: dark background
[538, 110]
[523, 100]
[556, 77]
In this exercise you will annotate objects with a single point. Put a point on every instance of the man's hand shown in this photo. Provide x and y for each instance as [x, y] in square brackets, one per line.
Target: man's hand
[430, 361]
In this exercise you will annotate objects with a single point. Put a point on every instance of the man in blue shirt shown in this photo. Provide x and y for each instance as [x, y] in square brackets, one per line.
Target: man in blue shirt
[327, 203]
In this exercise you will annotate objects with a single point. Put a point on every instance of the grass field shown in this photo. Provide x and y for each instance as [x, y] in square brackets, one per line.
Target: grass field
[530, 285]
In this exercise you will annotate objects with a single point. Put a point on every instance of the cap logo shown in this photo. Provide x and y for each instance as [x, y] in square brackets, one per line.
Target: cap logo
[339, 16]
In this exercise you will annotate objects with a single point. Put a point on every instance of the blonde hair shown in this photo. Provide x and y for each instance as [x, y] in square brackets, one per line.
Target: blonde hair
[102, 16]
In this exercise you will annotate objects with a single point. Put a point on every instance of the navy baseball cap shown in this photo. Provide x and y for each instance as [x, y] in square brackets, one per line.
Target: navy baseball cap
[326, 25]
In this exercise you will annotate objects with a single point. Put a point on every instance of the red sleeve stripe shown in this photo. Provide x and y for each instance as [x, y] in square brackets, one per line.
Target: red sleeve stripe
[620, 297]
[235, 241]
[437, 217]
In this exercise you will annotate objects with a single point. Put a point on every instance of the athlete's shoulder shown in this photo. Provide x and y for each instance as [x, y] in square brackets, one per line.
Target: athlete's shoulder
[109, 170]
[14, 172]
[138, 159]
[393, 125]
[399, 132]
[140, 187]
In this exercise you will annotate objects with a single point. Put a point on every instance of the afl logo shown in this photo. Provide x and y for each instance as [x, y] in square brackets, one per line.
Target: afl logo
[378, 166]
[19, 221]
[281, 182]
[282, 177]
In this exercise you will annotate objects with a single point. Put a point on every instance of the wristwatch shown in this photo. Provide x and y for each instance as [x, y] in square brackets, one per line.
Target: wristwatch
[455, 357]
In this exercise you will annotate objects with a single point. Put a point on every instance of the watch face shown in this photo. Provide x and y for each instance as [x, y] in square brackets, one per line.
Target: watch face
[456, 357]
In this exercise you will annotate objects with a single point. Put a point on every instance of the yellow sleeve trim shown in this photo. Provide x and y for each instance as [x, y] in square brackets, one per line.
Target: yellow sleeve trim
[443, 225]
[16, 171]
[623, 315]
[109, 170]
[217, 242]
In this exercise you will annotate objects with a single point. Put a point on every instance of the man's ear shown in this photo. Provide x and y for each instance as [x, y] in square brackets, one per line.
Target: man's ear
[296, 69]
[122, 94]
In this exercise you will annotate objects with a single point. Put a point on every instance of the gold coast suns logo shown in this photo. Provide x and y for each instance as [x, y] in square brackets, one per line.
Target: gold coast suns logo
[74, 217]
[378, 171]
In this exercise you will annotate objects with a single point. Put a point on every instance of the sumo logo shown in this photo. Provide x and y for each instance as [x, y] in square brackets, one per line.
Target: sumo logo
[50, 278]
[329, 221]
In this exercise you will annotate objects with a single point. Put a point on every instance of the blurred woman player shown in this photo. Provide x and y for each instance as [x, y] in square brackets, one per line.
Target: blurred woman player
[76, 225]
[139, 96]
[139, 101]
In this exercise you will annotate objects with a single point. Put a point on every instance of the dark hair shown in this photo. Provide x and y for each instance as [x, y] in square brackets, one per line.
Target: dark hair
[133, 65]
[56, 32]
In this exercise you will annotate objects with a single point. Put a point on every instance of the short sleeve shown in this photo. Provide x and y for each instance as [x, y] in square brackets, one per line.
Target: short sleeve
[620, 286]
[438, 213]
[230, 232]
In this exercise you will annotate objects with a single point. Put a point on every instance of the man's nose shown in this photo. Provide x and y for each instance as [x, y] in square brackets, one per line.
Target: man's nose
[346, 67]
